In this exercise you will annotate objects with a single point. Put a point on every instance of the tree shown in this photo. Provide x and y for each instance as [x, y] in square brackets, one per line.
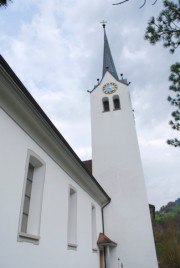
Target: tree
[166, 28]
[4, 3]
[167, 241]
[175, 101]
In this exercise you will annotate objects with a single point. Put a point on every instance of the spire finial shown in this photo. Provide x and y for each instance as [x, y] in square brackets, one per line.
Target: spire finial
[103, 23]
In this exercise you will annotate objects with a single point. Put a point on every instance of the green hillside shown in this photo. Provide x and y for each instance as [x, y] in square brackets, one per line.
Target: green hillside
[170, 210]
[166, 227]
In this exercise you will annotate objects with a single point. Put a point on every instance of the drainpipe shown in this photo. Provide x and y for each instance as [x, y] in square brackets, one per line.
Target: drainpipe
[102, 213]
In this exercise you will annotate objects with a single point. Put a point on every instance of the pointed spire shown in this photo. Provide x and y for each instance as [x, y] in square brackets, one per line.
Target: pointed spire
[108, 63]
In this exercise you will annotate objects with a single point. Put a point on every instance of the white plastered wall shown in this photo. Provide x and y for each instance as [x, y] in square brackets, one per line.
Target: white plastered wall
[52, 250]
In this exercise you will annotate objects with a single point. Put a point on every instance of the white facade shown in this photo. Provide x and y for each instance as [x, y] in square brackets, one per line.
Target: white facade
[117, 166]
[26, 136]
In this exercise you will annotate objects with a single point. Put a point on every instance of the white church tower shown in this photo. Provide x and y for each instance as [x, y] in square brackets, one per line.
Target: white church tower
[116, 164]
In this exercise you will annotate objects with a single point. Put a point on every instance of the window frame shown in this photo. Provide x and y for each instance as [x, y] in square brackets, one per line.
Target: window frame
[93, 228]
[32, 232]
[72, 218]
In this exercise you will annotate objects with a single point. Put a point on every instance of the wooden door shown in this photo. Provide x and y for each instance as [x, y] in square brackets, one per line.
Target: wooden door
[101, 258]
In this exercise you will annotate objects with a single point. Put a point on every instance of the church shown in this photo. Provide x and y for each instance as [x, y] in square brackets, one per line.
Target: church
[58, 211]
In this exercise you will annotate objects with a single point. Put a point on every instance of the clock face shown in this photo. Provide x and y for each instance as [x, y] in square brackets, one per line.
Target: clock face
[109, 88]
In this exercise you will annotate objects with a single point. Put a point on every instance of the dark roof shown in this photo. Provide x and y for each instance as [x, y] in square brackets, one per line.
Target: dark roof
[103, 240]
[24, 91]
[88, 165]
[151, 206]
[108, 63]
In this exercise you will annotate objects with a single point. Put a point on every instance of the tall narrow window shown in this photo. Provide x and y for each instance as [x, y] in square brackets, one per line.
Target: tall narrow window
[27, 199]
[105, 102]
[116, 102]
[72, 218]
[29, 227]
[93, 228]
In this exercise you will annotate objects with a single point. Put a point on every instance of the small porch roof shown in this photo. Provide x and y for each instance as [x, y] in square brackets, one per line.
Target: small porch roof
[104, 241]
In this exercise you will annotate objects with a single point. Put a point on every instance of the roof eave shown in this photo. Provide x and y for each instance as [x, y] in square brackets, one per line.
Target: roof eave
[53, 131]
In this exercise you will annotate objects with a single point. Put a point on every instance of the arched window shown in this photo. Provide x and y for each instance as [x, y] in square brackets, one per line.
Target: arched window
[105, 102]
[116, 102]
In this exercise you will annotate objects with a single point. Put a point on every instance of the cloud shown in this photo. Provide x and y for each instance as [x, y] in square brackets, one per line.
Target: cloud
[55, 47]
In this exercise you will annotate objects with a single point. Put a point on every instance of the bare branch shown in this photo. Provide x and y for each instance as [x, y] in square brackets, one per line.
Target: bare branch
[121, 2]
[154, 3]
[128, 0]
[143, 4]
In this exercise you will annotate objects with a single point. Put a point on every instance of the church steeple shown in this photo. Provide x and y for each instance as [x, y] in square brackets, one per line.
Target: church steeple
[108, 63]
[116, 164]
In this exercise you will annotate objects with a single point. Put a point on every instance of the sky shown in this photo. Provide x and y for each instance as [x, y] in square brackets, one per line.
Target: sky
[55, 47]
